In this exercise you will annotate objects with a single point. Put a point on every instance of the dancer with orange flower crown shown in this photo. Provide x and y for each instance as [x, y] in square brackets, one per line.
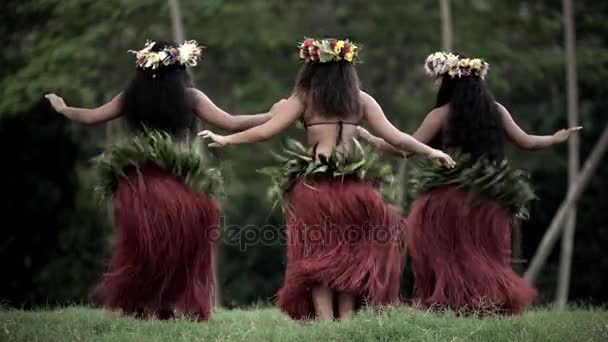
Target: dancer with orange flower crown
[166, 218]
[458, 230]
[343, 239]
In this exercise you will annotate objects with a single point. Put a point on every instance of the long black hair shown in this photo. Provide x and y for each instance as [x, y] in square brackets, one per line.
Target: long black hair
[474, 122]
[329, 89]
[159, 99]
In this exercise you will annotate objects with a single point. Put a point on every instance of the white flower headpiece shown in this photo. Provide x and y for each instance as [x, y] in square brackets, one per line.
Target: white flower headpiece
[186, 54]
[440, 63]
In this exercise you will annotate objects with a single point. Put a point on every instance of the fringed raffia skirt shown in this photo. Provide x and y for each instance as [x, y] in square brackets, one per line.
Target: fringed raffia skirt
[341, 234]
[460, 242]
[166, 228]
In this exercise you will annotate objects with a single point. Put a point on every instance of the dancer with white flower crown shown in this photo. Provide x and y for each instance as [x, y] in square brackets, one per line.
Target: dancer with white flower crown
[458, 230]
[343, 239]
[165, 215]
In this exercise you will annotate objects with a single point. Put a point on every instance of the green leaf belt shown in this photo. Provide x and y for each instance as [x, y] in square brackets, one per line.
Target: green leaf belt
[493, 180]
[297, 163]
[155, 148]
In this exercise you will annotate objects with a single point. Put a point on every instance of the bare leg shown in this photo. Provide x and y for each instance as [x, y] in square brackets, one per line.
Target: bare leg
[346, 305]
[323, 302]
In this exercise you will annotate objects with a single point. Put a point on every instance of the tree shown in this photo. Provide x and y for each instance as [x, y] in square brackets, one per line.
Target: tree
[563, 283]
[573, 195]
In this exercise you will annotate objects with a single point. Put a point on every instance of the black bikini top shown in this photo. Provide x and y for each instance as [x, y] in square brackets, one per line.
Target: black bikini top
[340, 124]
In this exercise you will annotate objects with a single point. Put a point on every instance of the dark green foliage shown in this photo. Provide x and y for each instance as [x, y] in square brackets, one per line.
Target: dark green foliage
[77, 48]
[297, 162]
[54, 238]
[157, 148]
[494, 180]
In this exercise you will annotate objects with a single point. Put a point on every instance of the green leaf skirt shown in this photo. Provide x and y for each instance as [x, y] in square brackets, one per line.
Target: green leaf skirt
[296, 163]
[155, 148]
[490, 180]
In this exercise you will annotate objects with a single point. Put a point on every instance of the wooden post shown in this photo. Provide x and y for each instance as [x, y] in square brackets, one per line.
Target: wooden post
[446, 25]
[179, 37]
[563, 283]
[574, 192]
[176, 21]
[516, 249]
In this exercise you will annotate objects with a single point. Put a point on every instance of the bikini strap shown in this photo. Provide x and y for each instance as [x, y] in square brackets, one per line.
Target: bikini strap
[340, 124]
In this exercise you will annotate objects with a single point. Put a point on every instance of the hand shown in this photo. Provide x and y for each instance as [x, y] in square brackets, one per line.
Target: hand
[563, 135]
[442, 157]
[56, 102]
[218, 140]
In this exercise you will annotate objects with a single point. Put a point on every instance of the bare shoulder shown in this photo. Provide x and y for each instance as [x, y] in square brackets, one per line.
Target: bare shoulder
[296, 100]
[366, 98]
[439, 113]
[196, 94]
[368, 103]
[293, 103]
[502, 109]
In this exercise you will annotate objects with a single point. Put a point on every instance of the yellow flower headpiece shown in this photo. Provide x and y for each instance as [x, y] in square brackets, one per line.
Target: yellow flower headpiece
[186, 54]
[328, 50]
[440, 63]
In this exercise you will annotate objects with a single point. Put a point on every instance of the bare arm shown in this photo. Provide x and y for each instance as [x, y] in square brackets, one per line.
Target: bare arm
[431, 125]
[211, 113]
[104, 113]
[380, 125]
[528, 141]
[377, 142]
[285, 113]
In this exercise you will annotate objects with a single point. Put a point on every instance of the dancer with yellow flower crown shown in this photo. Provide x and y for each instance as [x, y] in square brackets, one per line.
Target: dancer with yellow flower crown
[458, 230]
[343, 239]
[166, 218]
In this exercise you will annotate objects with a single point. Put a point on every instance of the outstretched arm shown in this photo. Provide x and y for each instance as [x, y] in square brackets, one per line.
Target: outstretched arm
[380, 125]
[209, 112]
[377, 142]
[284, 114]
[529, 141]
[431, 125]
[104, 113]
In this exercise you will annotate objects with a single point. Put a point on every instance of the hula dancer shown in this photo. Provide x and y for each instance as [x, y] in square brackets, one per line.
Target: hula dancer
[342, 237]
[459, 228]
[165, 216]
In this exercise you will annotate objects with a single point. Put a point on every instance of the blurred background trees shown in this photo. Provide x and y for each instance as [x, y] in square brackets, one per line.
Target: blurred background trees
[55, 236]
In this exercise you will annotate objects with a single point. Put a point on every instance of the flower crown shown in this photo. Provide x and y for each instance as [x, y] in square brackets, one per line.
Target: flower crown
[440, 63]
[186, 54]
[328, 50]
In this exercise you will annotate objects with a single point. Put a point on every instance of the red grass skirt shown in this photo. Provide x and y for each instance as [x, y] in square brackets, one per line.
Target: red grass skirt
[461, 254]
[163, 256]
[340, 233]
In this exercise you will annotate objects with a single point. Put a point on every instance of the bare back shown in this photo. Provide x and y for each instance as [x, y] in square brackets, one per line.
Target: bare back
[436, 121]
[327, 134]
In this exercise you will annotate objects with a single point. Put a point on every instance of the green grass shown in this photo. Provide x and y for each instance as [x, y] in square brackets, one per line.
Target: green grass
[399, 324]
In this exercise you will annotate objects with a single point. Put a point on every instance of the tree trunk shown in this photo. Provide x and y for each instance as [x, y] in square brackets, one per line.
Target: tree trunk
[179, 37]
[565, 263]
[446, 25]
[574, 192]
[516, 246]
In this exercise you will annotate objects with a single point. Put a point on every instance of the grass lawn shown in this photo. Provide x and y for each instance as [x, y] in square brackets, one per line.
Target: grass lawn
[267, 324]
